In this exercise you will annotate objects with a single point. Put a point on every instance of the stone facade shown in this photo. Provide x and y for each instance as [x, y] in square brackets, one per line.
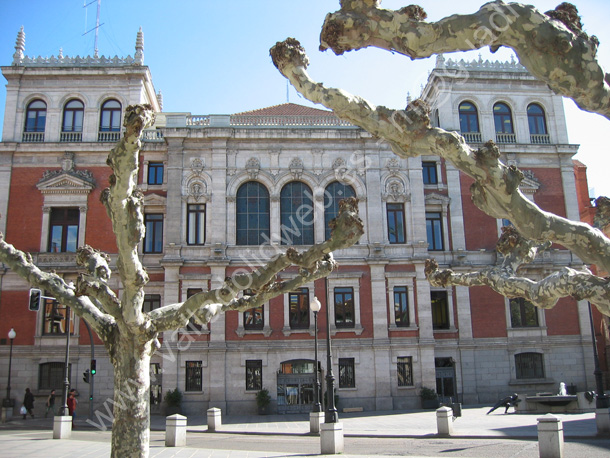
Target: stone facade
[392, 334]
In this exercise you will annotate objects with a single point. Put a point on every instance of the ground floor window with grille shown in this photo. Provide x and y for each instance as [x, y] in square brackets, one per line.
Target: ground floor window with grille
[193, 376]
[51, 376]
[405, 371]
[529, 366]
[254, 374]
[347, 373]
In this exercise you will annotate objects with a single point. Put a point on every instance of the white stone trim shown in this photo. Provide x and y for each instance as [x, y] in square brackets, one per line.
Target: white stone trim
[345, 280]
[287, 330]
[407, 281]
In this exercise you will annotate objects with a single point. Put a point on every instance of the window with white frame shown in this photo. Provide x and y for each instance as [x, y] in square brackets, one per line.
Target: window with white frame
[401, 300]
[344, 302]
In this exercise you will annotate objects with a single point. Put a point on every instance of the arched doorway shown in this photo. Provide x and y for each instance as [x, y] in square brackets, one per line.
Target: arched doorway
[295, 386]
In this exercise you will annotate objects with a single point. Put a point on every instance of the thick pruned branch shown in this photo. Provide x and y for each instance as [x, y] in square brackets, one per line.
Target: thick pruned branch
[123, 203]
[552, 45]
[21, 263]
[314, 263]
[496, 186]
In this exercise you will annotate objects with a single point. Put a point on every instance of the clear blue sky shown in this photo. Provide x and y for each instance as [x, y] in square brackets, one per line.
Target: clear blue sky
[210, 57]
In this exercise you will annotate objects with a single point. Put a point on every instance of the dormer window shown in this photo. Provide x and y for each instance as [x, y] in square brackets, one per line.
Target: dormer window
[72, 122]
[35, 120]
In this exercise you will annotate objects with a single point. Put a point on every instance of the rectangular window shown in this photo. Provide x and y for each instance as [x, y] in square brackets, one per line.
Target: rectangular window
[254, 319]
[63, 234]
[529, 366]
[523, 314]
[254, 375]
[194, 324]
[195, 227]
[401, 306]
[193, 380]
[151, 302]
[396, 223]
[404, 370]
[153, 239]
[440, 309]
[434, 231]
[429, 170]
[344, 307]
[347, 373]
[298, 306]
[155, 173]
[54, 318]
[51, 376]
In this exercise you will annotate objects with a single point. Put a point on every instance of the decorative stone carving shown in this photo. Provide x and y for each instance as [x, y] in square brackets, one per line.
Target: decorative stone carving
[396, 191]
[66, 180]
[253, 166]
[197, 166]
[530, 183]
[393, 165]
[296, 168]
[340, 168]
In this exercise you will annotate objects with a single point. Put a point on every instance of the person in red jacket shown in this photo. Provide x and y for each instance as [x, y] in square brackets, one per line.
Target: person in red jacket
[72, 405]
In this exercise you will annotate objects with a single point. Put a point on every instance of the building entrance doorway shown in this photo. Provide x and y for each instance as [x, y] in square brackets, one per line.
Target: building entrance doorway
[295, 386]
[445, 380]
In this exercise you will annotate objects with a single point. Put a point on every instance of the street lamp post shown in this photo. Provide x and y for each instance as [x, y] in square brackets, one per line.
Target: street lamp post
[315, 308]
[331, 411]
[7, 402]
[63, 410]
[601, 401]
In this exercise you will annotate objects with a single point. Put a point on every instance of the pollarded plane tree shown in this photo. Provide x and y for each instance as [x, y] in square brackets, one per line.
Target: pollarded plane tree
[129, 334]
[555, 49]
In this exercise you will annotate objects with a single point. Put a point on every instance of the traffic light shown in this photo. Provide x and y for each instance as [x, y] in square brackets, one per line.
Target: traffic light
[35, 296]
[86, 376]
[93, 371]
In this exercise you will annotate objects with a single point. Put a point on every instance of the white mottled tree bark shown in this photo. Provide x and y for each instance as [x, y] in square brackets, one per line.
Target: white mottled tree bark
[130, 334]
[552, 46]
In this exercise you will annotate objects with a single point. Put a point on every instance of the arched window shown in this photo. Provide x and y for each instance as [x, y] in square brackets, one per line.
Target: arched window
[110, 119]
[296, 214]
[72, 122]
[333, 194]
[469, 118]
[35, 120]
[504, 123]
[537, 124]
[252, 215]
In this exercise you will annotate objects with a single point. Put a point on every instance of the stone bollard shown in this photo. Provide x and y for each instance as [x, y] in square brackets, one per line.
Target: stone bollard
[214, 419]
[62, 427]
[602, 419]
[175, 431]
[550, 437]
[444, 421]
[7, 413]
[331, 438]
[315, 420]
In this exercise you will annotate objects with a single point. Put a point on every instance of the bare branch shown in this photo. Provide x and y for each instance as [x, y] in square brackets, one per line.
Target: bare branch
[314, 263]
[21, 263]
[551, 45]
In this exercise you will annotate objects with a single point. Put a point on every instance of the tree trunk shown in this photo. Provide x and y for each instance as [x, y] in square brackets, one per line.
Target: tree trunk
[131, 424]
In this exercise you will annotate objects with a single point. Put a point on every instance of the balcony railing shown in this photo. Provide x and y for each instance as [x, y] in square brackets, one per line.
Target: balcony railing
[71, 137]
[540, 139]
[472, 137]
[33, 137]
[505, 138]
[108, 136]
[296, 121]
[152, 135]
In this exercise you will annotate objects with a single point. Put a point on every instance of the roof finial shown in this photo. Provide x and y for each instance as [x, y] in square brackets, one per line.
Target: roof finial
[19, 47]
[139, 56]
[440, 61]
[160, 100]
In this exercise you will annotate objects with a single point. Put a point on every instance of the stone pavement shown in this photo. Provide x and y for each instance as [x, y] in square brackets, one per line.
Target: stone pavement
[366, 434]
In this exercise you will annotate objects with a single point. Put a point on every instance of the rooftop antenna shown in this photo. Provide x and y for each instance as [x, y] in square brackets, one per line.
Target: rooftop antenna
[97, 24]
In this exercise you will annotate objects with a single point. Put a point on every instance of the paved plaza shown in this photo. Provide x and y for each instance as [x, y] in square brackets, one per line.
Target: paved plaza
[392, 433]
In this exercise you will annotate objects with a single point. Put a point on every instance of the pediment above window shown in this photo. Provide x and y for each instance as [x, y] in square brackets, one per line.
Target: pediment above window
[66, 180]
[437, 199]
[154, 200]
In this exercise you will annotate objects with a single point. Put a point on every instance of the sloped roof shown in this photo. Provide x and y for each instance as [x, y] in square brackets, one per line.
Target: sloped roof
[288, 109]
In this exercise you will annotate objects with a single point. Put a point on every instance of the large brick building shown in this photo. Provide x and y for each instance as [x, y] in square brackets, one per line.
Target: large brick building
[224, 192]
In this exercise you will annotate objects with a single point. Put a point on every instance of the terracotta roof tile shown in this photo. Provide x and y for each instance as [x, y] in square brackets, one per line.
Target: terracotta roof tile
[288, 109]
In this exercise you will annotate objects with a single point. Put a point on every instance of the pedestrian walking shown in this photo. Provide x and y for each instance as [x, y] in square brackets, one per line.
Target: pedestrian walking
[50, 404]
[28, 403]
[72, 405]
